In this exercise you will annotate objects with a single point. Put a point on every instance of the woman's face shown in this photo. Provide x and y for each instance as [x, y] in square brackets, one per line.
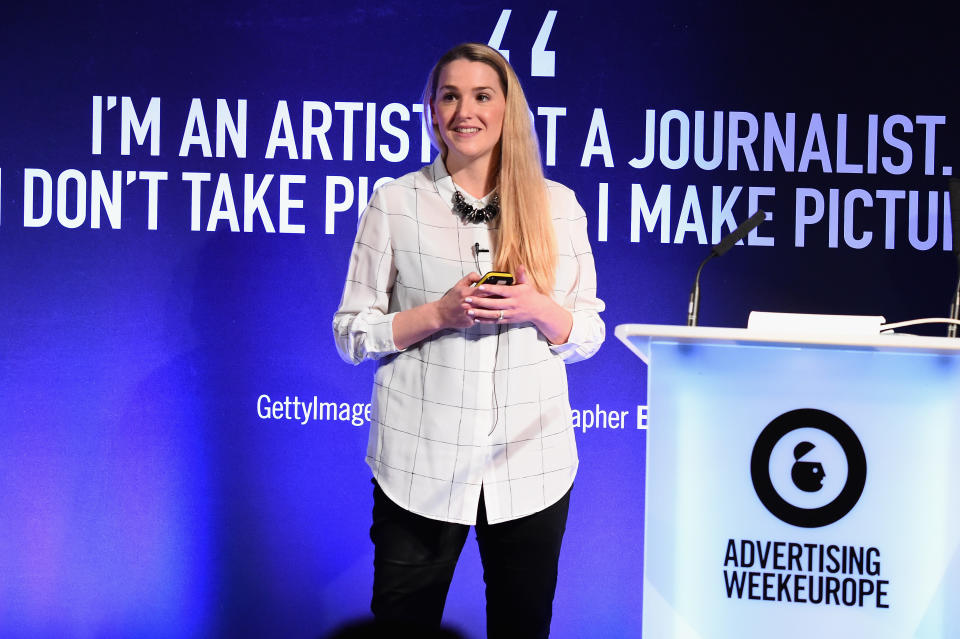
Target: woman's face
[468, 111]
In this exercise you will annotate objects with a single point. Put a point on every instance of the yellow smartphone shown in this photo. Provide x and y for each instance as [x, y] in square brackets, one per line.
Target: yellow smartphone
[496, 277]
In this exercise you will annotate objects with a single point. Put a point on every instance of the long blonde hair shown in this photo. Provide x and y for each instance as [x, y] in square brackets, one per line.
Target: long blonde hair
[527, 236]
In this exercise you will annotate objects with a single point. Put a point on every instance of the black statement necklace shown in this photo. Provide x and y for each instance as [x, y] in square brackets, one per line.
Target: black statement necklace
[473, 215]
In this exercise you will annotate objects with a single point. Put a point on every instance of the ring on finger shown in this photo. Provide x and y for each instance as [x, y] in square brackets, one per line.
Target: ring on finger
[500, 319]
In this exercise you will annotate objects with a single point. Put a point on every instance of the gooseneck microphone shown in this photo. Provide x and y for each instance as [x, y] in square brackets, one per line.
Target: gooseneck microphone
[955, 219]
[693, 308]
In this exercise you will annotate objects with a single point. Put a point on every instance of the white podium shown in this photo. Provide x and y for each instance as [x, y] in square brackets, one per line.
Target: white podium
[800, 485]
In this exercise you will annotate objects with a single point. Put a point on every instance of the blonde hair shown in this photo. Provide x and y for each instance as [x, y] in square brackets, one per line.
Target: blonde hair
[527, 236]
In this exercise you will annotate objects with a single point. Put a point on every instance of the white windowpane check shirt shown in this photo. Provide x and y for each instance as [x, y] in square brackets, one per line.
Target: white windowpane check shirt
[484, 406]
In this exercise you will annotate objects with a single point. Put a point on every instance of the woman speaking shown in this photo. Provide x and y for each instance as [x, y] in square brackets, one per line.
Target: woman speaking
[471, 422]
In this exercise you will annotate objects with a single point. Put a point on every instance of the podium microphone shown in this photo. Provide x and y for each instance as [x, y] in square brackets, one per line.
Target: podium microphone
[693, 308]
[955, 219]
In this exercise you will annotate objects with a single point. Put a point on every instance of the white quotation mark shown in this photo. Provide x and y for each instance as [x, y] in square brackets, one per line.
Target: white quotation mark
[542, 62]
[496, 38]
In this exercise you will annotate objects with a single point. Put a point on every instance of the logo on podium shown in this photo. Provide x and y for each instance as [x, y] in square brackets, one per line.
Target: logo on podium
[807, 475]
[808, 468]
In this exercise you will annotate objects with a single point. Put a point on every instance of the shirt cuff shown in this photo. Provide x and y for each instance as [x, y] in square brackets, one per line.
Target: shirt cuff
[578, 334]
[379, 340]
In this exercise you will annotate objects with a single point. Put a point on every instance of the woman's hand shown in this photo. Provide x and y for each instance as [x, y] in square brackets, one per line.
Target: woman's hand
[450, 311]
[452, 307]
[521, 302]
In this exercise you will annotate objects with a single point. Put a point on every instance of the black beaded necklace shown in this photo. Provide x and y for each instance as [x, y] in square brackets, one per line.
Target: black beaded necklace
[473, 215]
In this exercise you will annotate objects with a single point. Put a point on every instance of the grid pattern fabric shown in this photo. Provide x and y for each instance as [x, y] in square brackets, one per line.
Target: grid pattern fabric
[483, 406]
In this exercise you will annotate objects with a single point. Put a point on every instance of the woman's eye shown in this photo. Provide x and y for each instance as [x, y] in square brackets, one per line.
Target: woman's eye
[483, 97]
[448, 97]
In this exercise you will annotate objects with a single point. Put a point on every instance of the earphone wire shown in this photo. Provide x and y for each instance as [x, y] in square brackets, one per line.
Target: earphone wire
[496, 353]
[496, 406]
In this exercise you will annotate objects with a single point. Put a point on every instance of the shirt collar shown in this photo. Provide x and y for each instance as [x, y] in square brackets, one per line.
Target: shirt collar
[446, 186]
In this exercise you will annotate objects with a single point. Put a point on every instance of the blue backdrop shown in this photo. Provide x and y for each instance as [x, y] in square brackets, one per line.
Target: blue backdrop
[179, 189]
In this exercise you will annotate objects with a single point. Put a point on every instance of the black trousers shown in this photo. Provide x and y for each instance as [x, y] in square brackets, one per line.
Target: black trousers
[414, 560]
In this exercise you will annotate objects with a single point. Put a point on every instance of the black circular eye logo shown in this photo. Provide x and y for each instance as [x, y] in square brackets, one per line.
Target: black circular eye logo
[795, 500]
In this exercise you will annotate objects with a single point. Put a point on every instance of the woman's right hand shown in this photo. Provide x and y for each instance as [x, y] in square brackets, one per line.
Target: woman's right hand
[452, 309]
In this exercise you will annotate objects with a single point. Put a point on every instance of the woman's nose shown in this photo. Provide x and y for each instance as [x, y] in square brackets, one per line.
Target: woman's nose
[467, 107]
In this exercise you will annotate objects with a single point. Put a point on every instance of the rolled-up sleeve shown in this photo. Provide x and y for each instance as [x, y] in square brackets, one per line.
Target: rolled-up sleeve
[363, 324]
[576, 287]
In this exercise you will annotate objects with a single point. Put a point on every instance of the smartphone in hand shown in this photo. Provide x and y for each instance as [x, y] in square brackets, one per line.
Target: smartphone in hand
[496, 277]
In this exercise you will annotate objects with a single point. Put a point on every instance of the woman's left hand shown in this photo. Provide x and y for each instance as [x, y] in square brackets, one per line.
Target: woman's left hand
[520, 302]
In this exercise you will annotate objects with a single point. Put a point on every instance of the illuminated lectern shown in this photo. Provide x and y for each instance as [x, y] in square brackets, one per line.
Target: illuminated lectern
[800, 483]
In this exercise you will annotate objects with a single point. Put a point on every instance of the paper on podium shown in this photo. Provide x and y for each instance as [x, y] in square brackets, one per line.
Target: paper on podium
[811, 324]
